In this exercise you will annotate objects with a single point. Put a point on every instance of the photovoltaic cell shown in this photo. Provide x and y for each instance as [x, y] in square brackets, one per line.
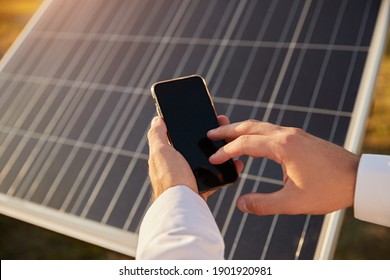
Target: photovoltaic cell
[75, 106]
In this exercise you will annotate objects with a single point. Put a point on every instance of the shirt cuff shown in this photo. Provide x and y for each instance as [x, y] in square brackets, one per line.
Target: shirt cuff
[372, 192]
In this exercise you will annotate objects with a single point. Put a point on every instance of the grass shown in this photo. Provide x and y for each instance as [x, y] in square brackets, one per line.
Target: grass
[358, 240]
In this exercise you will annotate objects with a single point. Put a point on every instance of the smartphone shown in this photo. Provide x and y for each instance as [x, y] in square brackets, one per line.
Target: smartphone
[185, 105]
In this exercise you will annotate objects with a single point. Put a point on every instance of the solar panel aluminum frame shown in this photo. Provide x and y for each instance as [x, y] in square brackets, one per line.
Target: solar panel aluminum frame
[332, 223]
[125, 242]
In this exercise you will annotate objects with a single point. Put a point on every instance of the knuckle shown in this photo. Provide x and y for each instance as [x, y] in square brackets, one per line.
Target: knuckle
[250, 123]
[243, 140]
[258, 208]
[247, 125]
[291, 136]
[160, 149]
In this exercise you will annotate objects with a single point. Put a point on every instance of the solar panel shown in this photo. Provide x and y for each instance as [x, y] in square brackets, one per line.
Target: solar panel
[75, 107]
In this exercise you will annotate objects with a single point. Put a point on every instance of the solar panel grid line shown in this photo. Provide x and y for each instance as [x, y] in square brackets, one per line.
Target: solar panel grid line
[57, 148]
[108, 89]
[72, 154]
[350, 70]
[262, 179]
[302, 237]
[92, 119]
[325, 61]
[124, 8]
[281, 106]
[71, 142]
[48, 148]
[195, 40]
[75, 115]
[95, 169]
[200, 27]
[91, 160]
[101, 158]
[9, 138]
[219, 32]
[251, 57]
[228, 34]
[35, 51]
[169, 48]
[13, 110]
[235, 97]
[43, 157]
[302, 53]
[50, 151]
[153, 63]
[11, 190]
[101, 138]
[269, 237]
[287, 58]
[137, 206]
[265, 118]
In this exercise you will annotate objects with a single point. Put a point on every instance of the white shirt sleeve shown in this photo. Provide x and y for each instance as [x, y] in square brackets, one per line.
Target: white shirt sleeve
[372, 192]
[179, 225]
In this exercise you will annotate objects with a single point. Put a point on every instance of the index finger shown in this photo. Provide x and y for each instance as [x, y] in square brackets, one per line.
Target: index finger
[251, 145]
[249, 127]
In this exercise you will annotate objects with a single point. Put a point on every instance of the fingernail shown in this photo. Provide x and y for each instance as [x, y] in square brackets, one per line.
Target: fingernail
[155, 119]
[211, 131]
[242, 205]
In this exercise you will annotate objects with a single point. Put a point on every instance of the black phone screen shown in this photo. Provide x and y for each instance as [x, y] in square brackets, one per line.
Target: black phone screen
[187, 109]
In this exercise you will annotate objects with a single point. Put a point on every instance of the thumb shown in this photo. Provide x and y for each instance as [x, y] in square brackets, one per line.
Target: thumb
[157, 133]
[261, 204]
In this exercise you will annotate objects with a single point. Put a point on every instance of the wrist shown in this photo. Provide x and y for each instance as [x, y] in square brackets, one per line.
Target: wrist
[159, 190]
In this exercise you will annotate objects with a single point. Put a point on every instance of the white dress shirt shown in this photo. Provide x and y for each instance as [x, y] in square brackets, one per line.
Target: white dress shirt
[179, 224]
[372, 192]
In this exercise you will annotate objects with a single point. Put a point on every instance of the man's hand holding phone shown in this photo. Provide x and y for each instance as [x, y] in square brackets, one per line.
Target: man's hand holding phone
[167, 167]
